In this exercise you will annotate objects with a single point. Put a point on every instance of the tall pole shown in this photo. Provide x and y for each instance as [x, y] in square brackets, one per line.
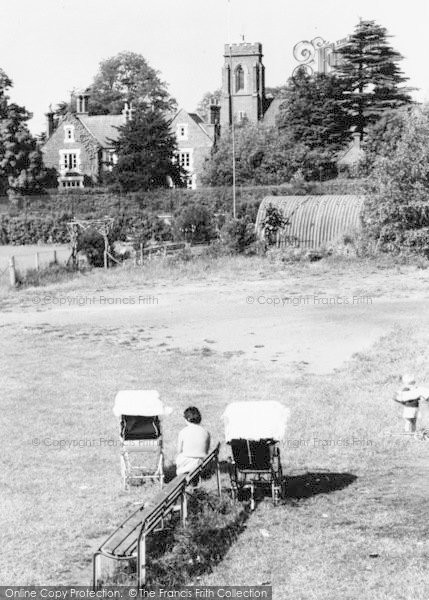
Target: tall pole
[231, 82]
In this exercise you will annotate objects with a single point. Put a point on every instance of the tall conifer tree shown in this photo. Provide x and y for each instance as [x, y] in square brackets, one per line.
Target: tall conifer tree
[369, 68]
[146, 151]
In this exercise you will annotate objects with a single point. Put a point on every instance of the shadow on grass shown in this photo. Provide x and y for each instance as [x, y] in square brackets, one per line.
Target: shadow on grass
[177, 555]
[188, 552]
[169, 472]
[300, 487]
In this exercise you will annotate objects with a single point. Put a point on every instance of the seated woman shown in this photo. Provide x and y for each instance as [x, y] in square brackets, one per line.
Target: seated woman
[193, 442]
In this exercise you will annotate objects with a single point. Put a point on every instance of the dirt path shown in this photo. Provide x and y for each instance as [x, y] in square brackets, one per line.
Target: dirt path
[306, 332]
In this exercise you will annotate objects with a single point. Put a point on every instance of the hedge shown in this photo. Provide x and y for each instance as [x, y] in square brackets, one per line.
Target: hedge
[98, 202]
[43, 218]
[24, 230]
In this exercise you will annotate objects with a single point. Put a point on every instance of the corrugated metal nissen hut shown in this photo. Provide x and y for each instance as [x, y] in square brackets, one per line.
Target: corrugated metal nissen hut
[313, 221]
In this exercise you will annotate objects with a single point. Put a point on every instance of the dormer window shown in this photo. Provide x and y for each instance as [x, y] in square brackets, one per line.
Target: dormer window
[182, 131]
[69, 133]
[239, 78]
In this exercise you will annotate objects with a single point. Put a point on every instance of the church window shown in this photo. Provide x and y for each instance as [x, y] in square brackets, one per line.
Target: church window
[239, 78]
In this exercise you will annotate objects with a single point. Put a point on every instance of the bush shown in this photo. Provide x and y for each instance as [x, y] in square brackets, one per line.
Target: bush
[195, 224]
[396, 211]
[91, 244]
[238, 236]
[273, 223]
[24, 230]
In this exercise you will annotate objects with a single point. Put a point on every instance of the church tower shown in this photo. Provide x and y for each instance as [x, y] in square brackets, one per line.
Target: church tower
[243, 84]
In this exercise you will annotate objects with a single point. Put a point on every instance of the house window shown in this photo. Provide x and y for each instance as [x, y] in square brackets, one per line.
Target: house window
[110, 159]
[241, 116]
[69, 133]
[239, 78]
[70, 161]
[182, 132]
[185, 159]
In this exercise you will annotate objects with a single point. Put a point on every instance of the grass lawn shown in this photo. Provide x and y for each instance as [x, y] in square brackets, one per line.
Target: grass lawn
[355, 522]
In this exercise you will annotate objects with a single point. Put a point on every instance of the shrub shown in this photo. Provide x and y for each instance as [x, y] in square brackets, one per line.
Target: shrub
[396, 211]
[195, 224]
[238, 236]
[91, 244]
[23, 229]
[274, 221]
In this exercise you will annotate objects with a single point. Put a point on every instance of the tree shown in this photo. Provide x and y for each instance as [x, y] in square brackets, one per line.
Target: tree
[262, 156]
[21, 164]
[368, 66]
[195, 224]
[278, 91]
[312, 112]
[396, 210]
[146, 153]
[203, 108]
[127, 77]
[382, 137]
[5, 84]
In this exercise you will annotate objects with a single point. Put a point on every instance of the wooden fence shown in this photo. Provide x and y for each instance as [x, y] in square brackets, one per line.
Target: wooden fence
[15, 264]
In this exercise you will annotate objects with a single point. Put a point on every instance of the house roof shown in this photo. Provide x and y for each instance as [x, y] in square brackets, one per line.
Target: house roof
[196, 117]
[352, 154]
[103, 127]
[272, 111]
[206, 128]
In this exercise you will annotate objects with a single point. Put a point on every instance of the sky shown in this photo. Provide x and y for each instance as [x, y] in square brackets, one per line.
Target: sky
[49, 47]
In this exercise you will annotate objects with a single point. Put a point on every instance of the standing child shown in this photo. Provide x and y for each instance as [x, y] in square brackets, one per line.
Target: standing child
[409, 396]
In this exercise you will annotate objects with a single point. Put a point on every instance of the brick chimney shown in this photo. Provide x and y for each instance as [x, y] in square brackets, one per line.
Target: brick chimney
[128, 111]
[82, 99]
[51, 122]
[214, 112]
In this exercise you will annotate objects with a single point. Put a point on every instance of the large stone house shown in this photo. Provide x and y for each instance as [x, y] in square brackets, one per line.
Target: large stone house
[79, 146]
[195, 140]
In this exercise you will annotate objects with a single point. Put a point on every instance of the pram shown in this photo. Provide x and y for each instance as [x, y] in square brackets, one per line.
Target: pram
[253, 430]
[142, 457]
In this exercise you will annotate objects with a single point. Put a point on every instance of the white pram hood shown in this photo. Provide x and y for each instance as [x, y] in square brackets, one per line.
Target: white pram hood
[255, 420]
[143, 403]
[414, 393]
